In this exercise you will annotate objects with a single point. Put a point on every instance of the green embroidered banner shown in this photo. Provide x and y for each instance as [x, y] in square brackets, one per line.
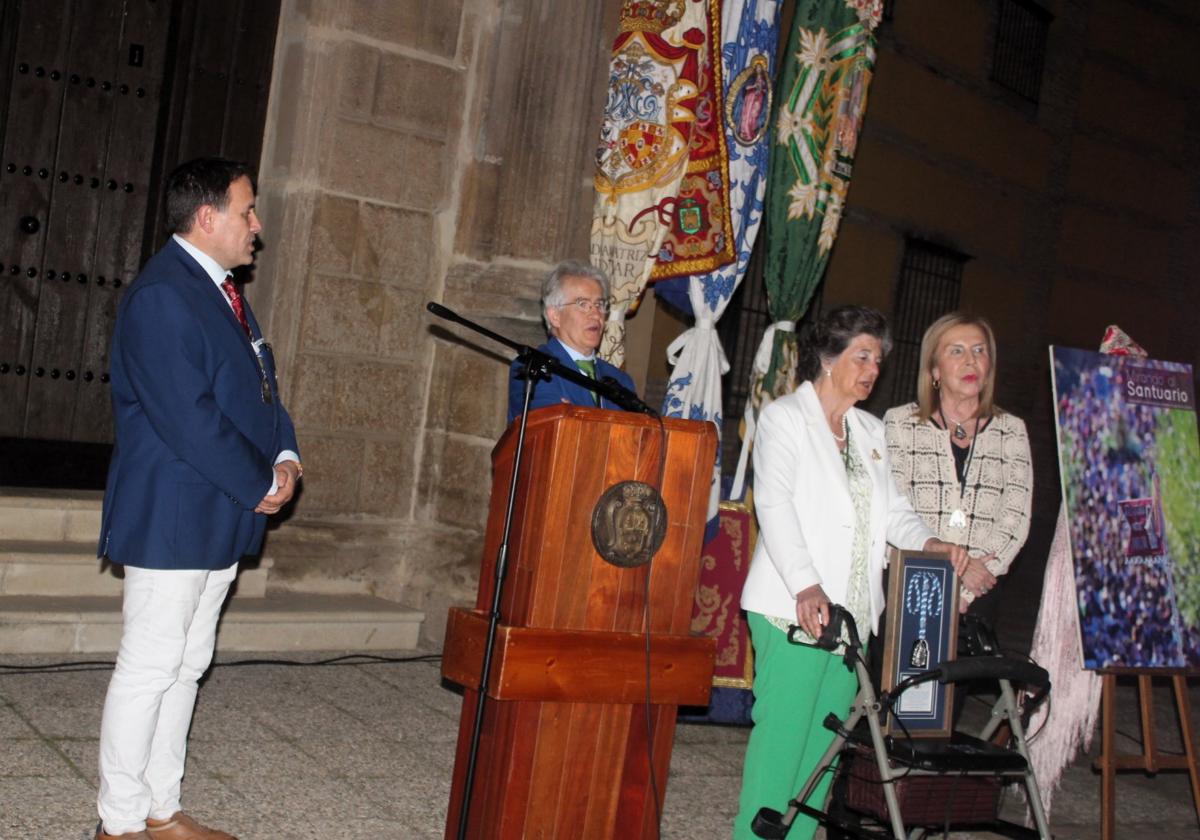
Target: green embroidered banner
[821, 98]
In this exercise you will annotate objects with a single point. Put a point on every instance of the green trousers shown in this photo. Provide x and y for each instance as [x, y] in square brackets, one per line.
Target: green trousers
[795, 687]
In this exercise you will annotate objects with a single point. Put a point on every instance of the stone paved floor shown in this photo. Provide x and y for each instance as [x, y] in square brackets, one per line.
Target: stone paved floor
[350, 753]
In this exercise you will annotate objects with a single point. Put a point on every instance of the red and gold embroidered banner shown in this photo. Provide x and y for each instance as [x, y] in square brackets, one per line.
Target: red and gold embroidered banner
[699, 235]
[716, 611]
[654, 82]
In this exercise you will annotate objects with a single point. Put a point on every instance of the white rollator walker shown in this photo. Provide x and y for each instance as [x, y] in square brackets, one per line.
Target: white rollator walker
[945, 767]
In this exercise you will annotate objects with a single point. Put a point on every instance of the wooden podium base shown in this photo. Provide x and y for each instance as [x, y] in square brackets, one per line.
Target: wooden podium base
[565, 750]
[592, 658]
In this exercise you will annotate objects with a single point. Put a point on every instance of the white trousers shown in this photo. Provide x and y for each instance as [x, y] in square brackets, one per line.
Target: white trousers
[170, 628]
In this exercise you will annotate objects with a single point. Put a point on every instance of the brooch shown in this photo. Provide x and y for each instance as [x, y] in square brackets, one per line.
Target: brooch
[875, 455]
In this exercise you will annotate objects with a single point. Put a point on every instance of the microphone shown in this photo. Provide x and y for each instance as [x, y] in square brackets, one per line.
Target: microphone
[450, 315]
[611, 388]
[625, 398]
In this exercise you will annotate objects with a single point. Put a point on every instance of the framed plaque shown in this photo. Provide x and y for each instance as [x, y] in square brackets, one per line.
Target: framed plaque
[921, 632]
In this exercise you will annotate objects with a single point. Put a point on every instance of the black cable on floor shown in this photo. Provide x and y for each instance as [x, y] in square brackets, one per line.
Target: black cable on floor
[346, 659]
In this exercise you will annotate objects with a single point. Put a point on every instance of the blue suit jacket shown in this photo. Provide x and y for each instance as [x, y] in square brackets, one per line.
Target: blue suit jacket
[556, 390]
[195, 443]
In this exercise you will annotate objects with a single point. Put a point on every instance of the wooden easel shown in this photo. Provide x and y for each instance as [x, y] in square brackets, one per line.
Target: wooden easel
[1150, 759]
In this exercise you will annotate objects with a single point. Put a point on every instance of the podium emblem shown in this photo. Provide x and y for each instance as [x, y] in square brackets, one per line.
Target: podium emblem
[629, 522]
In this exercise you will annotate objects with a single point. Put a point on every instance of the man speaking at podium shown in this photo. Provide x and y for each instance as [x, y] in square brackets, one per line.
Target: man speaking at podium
[574, 304]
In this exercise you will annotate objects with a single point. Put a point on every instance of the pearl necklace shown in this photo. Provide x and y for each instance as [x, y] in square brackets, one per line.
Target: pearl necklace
[845, 431]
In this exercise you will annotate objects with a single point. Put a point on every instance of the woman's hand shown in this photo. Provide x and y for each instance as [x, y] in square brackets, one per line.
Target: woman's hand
[812, 610]
[977, 578]
[958, 553]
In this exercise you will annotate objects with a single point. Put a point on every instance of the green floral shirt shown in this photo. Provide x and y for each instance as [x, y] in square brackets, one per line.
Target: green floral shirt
[858, 594]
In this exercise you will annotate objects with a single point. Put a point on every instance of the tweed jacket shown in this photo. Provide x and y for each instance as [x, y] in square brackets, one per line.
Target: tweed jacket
[998, 491]
[805, 513]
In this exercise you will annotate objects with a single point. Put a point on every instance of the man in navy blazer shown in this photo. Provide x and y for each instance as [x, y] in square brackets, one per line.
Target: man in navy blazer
[574, 304]
[204, 453]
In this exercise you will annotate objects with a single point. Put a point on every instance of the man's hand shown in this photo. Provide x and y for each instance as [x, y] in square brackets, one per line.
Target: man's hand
[286, 475]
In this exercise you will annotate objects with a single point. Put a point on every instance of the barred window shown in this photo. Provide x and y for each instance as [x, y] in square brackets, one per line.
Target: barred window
[1020, 50]
[929, 286]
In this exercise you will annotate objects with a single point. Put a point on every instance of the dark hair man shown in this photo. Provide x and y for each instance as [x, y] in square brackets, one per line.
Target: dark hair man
[574, 304]
[204, 452]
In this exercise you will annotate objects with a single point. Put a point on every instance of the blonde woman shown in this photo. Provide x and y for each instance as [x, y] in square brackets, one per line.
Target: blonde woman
[962, 460]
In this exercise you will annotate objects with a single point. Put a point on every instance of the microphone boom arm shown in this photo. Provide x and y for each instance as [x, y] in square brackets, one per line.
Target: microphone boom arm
[542, 365]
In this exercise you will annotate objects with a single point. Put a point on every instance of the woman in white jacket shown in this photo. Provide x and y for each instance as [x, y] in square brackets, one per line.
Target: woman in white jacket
[827, 507]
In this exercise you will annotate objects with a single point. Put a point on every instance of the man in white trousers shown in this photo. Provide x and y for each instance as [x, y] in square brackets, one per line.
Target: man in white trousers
[204, 453]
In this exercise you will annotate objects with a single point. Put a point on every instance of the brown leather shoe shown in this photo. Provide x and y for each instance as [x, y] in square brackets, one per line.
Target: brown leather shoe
[129, 835]
[183, 827]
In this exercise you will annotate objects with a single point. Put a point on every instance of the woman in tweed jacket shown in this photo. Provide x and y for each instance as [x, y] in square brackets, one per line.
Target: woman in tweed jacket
[960, 459]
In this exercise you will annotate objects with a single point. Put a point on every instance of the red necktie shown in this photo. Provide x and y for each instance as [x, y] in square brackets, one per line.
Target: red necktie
[235, 300]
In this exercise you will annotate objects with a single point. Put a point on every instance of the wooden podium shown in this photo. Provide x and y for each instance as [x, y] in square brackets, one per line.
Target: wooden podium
[564, 747]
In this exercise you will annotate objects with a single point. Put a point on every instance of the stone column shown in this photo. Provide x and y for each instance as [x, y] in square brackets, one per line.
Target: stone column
[415, 151]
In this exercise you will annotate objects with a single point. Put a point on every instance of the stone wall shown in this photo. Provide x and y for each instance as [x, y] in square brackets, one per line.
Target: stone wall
[415, 151]
[423, 151]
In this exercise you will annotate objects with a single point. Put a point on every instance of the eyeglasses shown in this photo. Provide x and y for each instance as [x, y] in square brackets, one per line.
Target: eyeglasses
[587, 306]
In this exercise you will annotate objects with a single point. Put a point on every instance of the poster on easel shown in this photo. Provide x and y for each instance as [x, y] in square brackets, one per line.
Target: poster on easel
[1129, 459]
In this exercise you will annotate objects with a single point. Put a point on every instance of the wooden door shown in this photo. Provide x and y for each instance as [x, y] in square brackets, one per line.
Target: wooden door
[98, 100]
[81, 118]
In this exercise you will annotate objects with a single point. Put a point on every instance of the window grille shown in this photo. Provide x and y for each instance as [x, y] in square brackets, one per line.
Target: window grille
[929, 286]
[1020, 50]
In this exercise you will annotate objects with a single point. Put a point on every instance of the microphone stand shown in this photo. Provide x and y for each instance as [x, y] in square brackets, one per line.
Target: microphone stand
[536, 365]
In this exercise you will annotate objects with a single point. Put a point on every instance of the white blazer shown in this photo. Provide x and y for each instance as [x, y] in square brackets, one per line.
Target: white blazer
[805, 515]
